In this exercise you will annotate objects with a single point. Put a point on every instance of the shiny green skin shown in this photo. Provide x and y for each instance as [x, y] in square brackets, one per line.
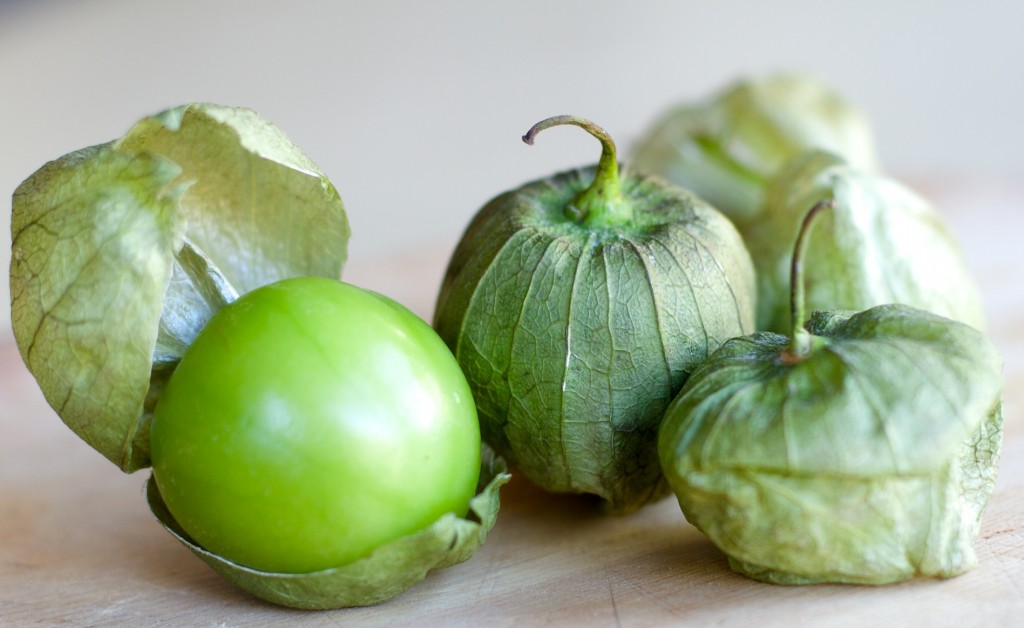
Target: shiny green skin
[311, 422]
[870, 460]
[575, 337]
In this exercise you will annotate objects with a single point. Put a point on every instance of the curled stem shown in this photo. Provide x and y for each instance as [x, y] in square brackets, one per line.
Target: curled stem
[601, 204]
[801, 344]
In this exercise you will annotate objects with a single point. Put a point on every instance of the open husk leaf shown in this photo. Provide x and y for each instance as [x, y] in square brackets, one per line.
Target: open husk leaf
[123, 251]
[386, 572]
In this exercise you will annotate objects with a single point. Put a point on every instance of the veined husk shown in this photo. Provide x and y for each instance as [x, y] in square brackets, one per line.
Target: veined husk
[727, 147]
[868, 461]
[123, 251]
[372, 579]
[881, 243]
[574, 339]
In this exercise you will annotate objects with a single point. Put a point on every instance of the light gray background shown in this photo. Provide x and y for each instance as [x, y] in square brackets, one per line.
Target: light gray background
[415, 109]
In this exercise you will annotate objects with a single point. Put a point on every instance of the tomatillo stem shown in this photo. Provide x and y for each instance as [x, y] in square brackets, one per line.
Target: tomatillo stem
[601, 204]
[801, 344]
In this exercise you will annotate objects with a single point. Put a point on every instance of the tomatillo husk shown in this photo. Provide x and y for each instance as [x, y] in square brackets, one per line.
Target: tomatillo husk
[882, 243]
[122, 252]
[727, 148]
[577, 306]
[862, 449]
[387, 571]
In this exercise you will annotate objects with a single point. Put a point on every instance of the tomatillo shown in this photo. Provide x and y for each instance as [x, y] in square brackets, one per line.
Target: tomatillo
[577, 306]
[310, 423]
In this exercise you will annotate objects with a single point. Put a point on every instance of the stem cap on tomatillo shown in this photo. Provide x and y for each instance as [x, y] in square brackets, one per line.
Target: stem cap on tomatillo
[601, 204]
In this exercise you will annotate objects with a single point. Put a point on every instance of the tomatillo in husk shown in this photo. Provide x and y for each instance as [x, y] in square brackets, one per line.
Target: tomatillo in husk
[862, 449]
[727, 147]
[577, 306]
[881, 243]
[318, 446]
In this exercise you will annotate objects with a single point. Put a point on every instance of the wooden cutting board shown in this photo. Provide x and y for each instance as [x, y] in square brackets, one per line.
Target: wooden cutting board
[78, 545]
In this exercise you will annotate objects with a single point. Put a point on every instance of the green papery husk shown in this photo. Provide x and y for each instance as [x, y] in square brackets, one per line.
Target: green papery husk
[881, 243]
[870, 461]
[383, 574]
[726, 148]
[575, 339]
[122, 252]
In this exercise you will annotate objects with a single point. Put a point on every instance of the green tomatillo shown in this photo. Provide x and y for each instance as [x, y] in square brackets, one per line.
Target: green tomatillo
[577, 306]
[861, 449]
[319, 446]
[318, 442]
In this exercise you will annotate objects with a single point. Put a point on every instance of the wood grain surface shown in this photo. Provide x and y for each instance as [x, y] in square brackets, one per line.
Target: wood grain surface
[79, 547]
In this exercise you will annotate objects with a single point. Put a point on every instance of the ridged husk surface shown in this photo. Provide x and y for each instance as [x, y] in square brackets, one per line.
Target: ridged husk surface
[575, 339]
[881, 243]
[727, 148]
[868, 461]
